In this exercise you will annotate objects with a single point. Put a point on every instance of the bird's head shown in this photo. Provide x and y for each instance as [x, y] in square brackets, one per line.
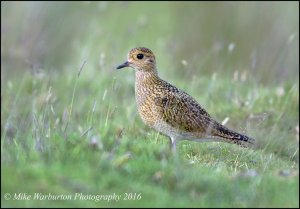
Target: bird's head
[141, 59]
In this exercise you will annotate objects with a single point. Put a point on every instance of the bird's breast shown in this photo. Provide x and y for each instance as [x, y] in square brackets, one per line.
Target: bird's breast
[146, 93]
[145, 100]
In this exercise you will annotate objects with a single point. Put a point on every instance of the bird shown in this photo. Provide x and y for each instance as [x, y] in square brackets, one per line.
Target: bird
[171, 111]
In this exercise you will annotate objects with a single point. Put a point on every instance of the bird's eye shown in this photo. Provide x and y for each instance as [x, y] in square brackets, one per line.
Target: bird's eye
[140, 56]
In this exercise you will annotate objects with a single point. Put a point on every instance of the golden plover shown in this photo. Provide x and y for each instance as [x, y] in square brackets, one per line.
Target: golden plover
[170, 110]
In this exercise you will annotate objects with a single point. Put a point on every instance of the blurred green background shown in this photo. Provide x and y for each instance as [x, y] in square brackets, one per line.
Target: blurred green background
[63, 133]
[52, 35]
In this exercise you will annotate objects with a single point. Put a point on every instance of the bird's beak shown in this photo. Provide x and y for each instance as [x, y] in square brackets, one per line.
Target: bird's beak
[125, 64]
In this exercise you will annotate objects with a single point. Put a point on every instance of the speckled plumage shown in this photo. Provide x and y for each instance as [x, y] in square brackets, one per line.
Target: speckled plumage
[170, 110]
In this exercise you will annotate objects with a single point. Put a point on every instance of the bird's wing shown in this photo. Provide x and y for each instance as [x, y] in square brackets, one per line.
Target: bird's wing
[182, 112]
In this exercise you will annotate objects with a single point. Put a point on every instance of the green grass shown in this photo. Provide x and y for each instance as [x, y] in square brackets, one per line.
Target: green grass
[106, 149]
[69, 134]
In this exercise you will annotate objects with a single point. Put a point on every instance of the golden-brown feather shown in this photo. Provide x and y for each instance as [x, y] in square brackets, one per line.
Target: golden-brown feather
[170, 110]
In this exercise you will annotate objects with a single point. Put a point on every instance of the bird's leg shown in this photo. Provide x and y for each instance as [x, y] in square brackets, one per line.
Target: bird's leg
[173, 144]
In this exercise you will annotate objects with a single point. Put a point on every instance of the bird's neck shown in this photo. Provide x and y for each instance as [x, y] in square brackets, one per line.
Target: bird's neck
[145, 83]
[145, 78]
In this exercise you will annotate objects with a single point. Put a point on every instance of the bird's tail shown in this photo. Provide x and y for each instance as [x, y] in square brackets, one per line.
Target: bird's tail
[232, 136]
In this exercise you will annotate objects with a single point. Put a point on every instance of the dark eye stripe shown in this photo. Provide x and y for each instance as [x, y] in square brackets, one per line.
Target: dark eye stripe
[140, 56]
